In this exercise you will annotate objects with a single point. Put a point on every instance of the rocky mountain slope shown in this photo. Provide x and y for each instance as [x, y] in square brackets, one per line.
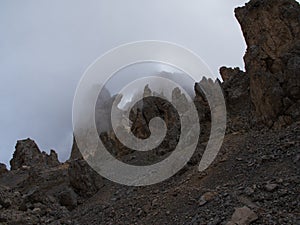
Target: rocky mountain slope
[254, 180]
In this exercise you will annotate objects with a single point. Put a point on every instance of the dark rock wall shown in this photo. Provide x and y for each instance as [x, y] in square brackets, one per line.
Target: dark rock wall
[272, 32]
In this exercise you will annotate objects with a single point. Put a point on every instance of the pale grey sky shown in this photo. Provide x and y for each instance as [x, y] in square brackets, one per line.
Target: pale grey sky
[47, 45]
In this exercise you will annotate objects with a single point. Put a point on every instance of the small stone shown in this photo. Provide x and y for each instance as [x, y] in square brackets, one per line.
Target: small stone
[280, 181]
[202, 202]
[297, 158]
[249, 191]
[270, 187]
[140, 212]
[36, 210]
[265, 157]
[115, 199]
[24, 167]
[242, 216]
[206, 197]
[154, 202]
[23, 207]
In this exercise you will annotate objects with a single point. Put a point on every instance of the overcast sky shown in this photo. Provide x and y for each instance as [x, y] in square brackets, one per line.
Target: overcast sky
[47, 45]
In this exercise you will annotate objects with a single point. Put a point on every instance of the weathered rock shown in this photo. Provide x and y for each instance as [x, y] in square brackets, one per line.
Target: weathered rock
[3, 169]
[140, 116]
[75, 152]
[203, 109]
[237, 95]
[207, 197]
[46, 181]
[242, 216]
[271, 187]
[28, 154]
[39, 190]
[5, 201]
[272, 61]
[68, 198]
[83, 179]
[237, 91]
[52, 159]
[228, 73]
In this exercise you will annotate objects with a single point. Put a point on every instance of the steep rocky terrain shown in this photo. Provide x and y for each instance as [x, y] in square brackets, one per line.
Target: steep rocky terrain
[254, 179]
[272, 34]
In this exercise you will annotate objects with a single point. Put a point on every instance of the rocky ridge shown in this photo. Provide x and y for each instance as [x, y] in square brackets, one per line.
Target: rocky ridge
[254, 180]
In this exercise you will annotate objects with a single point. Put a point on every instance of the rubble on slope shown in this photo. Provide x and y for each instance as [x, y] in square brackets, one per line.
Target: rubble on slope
[255, 178]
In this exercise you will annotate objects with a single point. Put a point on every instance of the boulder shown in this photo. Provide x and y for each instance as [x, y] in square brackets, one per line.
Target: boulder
[68, 198]
[242, 216]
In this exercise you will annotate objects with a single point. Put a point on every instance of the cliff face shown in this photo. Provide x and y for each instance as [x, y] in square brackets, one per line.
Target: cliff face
[272, 32]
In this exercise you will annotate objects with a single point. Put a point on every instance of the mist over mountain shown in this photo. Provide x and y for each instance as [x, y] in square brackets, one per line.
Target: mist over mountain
[46, 47]
[106, 99]
[253, 180]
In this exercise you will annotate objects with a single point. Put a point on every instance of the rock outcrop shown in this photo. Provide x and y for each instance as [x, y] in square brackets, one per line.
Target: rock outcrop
[272, 61]
[40, 190]
[236, 90]
[140, 115]
[75, 152]
[83, 179]
[27, 154]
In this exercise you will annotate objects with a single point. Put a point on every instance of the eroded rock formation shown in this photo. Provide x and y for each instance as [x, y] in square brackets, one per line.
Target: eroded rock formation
[40, 190]
[27, 154]
[272, 61]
